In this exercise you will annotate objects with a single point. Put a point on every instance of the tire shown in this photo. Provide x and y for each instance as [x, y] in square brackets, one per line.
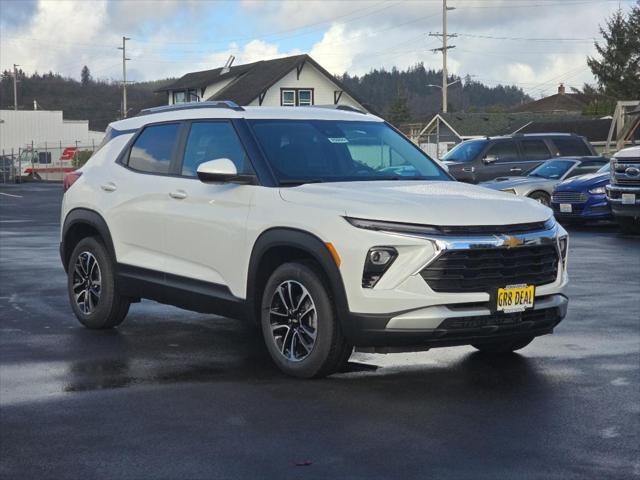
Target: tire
[299, 322]
[503, 347]
[95, 302]
[629, 225]
[541, 197]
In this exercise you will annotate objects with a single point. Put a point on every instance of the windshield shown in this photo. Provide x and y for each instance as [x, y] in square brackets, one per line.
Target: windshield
[552, 169]
[605, 168]
[304, 151]
[465, 151]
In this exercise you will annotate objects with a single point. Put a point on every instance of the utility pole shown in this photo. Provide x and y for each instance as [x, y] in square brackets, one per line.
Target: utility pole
[15, 86]
[124, 75]
[445, 36]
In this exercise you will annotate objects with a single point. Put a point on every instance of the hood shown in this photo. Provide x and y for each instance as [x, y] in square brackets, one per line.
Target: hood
[501, 183]
[583, 182]
[421, 202]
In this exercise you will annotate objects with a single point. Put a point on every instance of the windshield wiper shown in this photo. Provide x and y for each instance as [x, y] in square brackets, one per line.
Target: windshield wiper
[299, 181]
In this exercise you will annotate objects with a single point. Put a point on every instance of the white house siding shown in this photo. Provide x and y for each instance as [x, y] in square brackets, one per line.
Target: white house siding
[19, 129]
[310, 77]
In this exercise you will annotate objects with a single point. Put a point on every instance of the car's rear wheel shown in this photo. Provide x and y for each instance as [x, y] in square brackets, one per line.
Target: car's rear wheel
[299, 322]
[91, 286]
[503, 346]
[541, 197]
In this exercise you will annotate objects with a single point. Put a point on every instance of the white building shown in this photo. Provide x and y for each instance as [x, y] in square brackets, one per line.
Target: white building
[42, 128]
[290, 81]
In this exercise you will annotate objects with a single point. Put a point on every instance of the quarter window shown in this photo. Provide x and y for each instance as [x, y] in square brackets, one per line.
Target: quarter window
[210, 141]
[153, 149]
[568, 147]
[535, 150]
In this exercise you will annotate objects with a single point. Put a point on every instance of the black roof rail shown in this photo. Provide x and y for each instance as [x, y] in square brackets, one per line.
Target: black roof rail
[346, 108]
[187, 106]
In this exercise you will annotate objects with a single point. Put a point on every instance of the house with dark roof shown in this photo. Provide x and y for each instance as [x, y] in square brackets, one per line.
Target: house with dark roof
[290, 81]
[560, 103]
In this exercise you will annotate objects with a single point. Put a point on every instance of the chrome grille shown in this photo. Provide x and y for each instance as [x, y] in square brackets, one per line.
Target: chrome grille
[569, 197]
[620, 175]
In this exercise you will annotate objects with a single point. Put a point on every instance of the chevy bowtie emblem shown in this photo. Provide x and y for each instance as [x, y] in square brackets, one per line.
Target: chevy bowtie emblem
[511, 242]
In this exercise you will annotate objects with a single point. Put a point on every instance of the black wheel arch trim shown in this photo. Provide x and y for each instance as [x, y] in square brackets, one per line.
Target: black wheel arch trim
[313, 246]
[90, 218]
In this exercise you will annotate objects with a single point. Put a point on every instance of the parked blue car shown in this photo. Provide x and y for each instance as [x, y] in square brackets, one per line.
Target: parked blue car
[583, 198]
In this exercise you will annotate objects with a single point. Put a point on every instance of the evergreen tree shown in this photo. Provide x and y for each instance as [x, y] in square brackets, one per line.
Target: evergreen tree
[618, 69]
[85, 76]
[399, 110]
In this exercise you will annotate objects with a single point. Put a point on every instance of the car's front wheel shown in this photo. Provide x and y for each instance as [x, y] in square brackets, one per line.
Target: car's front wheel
[299, 322]
[541, 197]
[91, 286]
[504, 346]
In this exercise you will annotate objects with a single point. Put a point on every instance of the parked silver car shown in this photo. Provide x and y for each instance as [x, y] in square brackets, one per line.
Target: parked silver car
[540, 182]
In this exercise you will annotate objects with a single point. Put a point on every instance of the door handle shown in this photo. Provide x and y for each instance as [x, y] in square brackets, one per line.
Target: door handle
[515, 170]
[178, 194]
[108, 187]
[469, 169]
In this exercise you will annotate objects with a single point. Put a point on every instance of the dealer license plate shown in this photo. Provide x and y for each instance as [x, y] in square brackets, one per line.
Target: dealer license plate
[566, 208]
[515, 298]
[628, 198]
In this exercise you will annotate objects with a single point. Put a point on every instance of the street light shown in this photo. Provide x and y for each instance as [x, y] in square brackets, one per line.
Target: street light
[448, 84]
[438, 86]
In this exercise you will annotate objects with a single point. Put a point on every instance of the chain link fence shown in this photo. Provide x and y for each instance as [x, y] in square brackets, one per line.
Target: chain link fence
[47, 162]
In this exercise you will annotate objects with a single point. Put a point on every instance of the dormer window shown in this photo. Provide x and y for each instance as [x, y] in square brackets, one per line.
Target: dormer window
[185, 96]
[296, 97]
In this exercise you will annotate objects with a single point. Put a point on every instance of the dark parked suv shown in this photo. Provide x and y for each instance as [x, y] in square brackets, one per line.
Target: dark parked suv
[484, 159]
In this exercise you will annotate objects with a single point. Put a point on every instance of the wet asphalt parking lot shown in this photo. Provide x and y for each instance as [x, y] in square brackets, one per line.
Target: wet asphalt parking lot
[179, 395]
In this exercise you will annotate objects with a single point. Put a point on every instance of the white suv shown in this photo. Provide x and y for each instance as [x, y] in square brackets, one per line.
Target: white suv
[325, 226]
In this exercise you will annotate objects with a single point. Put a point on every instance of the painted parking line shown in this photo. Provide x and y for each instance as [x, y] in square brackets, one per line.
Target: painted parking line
[11, 195]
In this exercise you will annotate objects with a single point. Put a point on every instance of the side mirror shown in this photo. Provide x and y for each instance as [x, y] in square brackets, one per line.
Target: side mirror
[222, 170]
[489, 159]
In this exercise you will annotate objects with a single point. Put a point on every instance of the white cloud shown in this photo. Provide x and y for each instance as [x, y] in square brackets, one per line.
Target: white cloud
[172, 37]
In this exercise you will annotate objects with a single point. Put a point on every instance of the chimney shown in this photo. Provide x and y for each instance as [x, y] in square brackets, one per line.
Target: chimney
[561, 89]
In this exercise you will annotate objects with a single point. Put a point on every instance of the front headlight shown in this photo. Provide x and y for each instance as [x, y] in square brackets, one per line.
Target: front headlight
[393, 227]
[509, 190]
[598, 191]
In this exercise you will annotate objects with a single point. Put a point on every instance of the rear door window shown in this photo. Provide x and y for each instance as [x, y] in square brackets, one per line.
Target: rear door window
[571, 147]
[535, 150]
[504, 151]
[154, 148]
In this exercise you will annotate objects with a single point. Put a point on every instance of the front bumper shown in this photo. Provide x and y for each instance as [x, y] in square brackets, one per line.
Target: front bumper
[427, 318]
[451, 325]
[595, 208]
[620, 209]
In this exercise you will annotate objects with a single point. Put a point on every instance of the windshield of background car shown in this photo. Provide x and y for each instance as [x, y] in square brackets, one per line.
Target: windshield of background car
[301, 151]
[553, 169]
[605, 168]
[465, 151]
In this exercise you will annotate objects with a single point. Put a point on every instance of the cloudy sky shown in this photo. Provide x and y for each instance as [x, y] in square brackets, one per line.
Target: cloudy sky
[534, 44]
